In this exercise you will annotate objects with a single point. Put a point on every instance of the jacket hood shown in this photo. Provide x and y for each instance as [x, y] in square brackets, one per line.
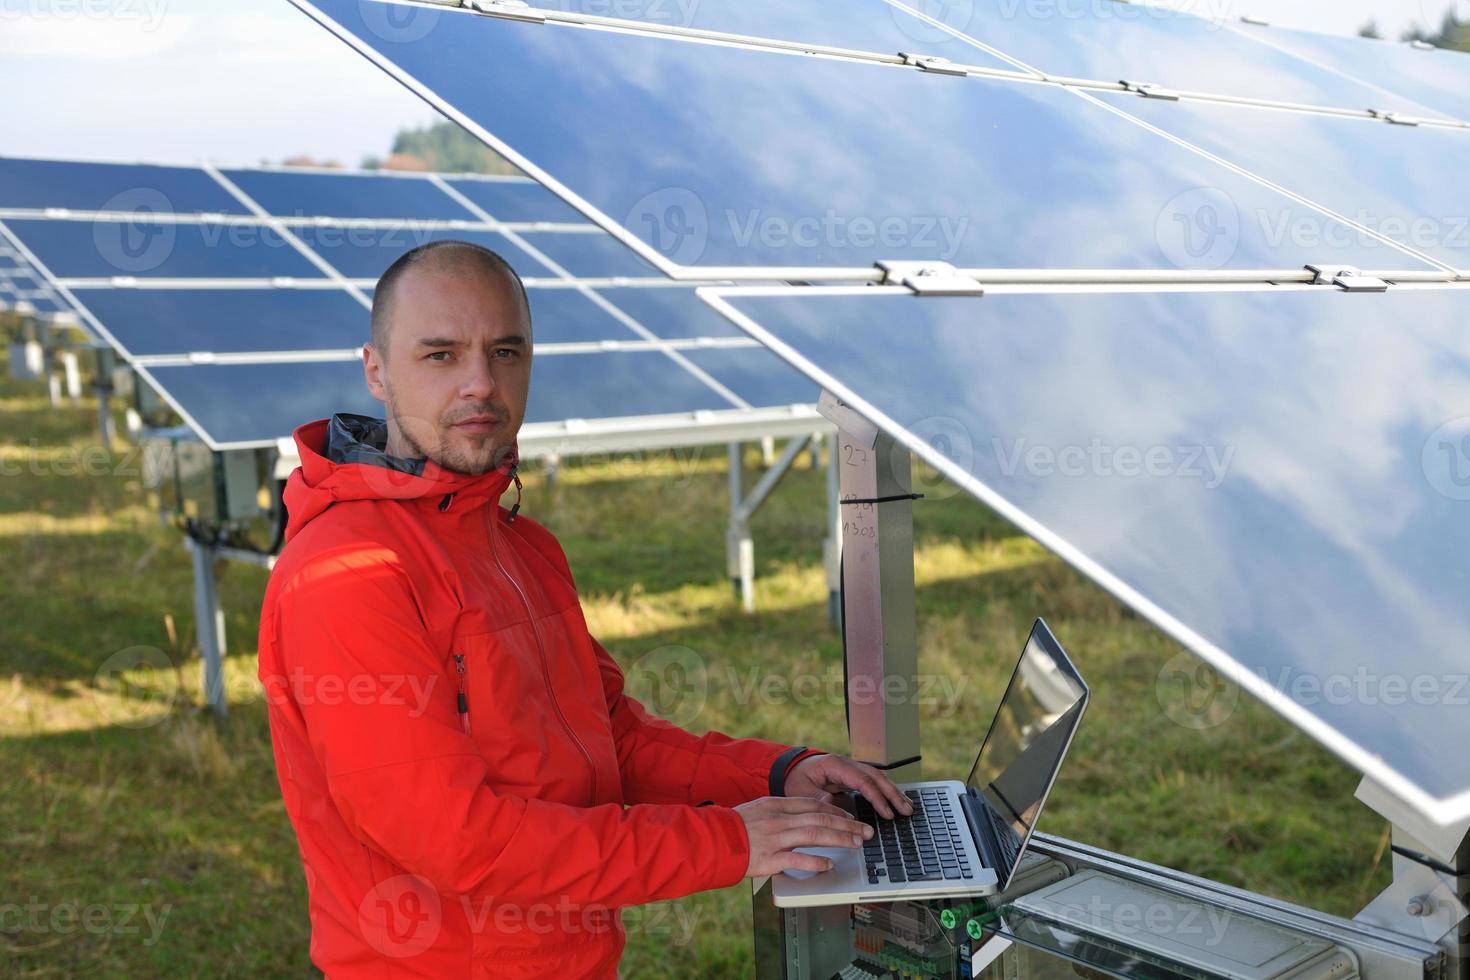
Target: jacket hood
[345, 458]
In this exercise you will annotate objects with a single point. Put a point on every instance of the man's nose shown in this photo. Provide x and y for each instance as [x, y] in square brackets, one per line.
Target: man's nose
[478, 381]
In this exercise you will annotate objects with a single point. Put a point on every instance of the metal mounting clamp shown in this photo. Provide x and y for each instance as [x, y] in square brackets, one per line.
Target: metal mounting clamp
[506, 9]
[1348, 278]
[1149, 90]
[932, 63]
[929, 278]
[1257, 21]
[1393, 117]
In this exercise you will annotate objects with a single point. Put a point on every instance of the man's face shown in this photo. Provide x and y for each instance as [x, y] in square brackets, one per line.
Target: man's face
[458, 366]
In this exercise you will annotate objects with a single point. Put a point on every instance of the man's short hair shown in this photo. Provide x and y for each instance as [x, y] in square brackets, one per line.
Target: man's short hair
[447, 251]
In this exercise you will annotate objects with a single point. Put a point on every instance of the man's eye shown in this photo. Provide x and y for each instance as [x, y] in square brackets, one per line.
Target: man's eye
[439, 355]
[507, 353]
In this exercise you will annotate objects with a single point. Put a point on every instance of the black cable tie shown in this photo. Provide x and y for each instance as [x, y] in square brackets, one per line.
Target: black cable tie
[882, 500]
[892, 765]
[1426, 860]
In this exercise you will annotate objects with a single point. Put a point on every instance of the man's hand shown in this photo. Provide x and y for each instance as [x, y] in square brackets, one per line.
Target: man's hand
[777, 825]
[822, 775]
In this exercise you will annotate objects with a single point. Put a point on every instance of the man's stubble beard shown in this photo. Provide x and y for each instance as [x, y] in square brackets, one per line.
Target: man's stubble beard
[443, 456]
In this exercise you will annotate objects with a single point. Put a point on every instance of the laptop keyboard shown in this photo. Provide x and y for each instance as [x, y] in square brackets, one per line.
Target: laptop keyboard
[926, 846]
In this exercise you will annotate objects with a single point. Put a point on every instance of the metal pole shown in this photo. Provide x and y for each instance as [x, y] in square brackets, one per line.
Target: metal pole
[210, 625]
[739, 548]
[832, 546]
[879, 639]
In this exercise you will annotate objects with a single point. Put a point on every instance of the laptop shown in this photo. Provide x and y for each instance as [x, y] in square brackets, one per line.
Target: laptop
[962, 838]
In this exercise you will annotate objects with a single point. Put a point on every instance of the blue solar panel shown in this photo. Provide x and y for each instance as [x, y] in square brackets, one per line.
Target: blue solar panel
[366, 253]
[1275, 474]
[111, 187]
[91, 249]
[560, 315]
[864, 25]
[1437, 78]
[1144, 43]
[179, 321]
[294, 193]
[1405, 182]
[772, 159]
[670, 312]
[590, 255]
[261, 402]
[756, 375]
[517, 200]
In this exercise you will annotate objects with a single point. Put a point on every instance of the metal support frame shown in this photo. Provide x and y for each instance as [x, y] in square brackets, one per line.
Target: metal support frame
[209, 621]
[832, 546]
[1429, 896]
[739, 546]
[877, 583]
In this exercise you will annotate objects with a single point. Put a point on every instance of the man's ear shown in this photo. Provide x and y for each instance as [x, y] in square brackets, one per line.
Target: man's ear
[373, 371]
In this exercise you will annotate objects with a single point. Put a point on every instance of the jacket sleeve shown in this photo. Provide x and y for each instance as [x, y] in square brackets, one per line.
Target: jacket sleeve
[367, 687]
[663, 763]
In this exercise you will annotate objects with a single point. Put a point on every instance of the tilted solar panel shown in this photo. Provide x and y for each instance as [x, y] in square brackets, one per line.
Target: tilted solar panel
[763, 158]
[1276, 477]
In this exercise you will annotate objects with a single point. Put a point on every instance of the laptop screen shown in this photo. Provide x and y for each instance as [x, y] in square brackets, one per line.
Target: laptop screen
[1023, 750]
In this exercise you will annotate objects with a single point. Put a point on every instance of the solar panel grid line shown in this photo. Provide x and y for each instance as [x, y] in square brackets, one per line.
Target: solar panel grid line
[1445, 810]
[578, 19]
[286, 233]
[167, 283]
[1271, 185]
[741, 273]
[100, 332]
[597, 298]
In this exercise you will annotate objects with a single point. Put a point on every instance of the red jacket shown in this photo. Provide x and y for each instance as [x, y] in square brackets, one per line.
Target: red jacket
[472, 792]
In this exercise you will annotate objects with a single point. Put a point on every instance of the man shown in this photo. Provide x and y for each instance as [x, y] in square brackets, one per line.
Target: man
[472, 792]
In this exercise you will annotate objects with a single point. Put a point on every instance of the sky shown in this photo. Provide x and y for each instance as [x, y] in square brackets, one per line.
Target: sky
[244, 81]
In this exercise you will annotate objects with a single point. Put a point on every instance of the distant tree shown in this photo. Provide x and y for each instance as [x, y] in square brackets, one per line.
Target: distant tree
[442, 146]
[1453, 33]
[1370, 29]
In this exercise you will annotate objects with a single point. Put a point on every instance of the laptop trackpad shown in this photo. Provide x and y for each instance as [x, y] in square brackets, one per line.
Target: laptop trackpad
[836, 854]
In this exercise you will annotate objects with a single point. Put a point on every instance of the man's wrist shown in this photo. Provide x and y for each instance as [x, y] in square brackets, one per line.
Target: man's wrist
[787, 761]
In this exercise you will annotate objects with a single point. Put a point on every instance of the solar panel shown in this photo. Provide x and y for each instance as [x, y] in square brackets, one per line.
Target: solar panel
[87, 186]
[142, 247]
[297, 193]
[865, 25]
[516, 199]
[250, 330]
[1403, 182]
[765, 158]
[1272, 476]
[363, 253]
[1143, 43]
[1433, 77]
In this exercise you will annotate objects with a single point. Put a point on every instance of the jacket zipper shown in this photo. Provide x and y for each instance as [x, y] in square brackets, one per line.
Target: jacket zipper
[463, 702]
[545, 669]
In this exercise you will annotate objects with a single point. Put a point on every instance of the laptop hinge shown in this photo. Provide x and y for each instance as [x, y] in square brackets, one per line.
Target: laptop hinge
[980, 830]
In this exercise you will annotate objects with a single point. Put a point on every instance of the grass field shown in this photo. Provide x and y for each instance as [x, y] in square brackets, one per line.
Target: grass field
[141, 837]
